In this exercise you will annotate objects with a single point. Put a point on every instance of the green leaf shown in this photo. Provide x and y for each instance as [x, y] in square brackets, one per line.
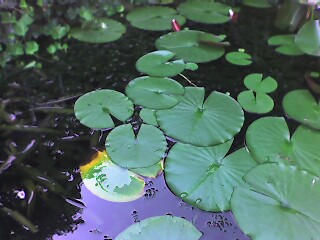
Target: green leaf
[255, 103]
[7, 17]
[32, 47]
[22, 26]
[283, 203]
[58, 32]
[100, 31]
[203, 176]
[192, 66]
[286, 43]
[93, 109]
[302, 107]
[255, 83]
[257, 3]
[149, 116]
[154, 93]
[86, 13]
[308, 38]
[111, 182]
[154, 18]
[268, 139]
[150, 172]
[161, 228]
[144, 149]
[15, 49]
[205, 12]
[158, 64]
[192, 46]
[199, 122]
[239, 58]
[52, 49]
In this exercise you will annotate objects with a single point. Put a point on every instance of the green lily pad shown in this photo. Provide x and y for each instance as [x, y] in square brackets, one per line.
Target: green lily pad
[283, 203]
[93, 109]
[308, 38]
[99, 31]
[161, 228]
[158, 64]
[257, 3]
[203, 176]
[255, 103]
[255, 83]
[154, 18]
[286, 43]
[268, 139]
[192, 46]
[238, 58]
[205, 12]
[111, 182]
[199, 122]
[150, 172]
[302, 107]
[136, 151]
[154, 93]
[149, 116]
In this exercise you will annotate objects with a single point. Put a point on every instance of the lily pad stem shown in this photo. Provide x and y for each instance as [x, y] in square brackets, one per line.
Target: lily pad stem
[188, 80]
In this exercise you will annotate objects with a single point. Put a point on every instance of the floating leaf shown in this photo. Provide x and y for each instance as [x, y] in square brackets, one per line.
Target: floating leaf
[93, 109]
[149, 116]
[199, 122]
[283, 203]
[255, 83]
[111, 182]
[203, 176]
[136, 151]
[308, 38]
[268, 139]
[150, 172]
[257, 3]
[192, 46]
[205, 12]
[154, 18]
[99, 31]
[32, 47]
[255, 102]
[160, 228]
[302, 107]
[192, 66]
[158, 64]
[154, 93]
[239, 58]
[286, 44]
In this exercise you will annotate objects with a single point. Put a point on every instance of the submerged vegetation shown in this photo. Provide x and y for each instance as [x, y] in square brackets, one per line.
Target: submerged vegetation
[158, 123]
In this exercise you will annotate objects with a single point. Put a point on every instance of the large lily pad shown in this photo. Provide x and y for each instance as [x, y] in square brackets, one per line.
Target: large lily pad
[160, 228]
[203, 176]
[255, 82]
[205, 12]
[308, 38]
[154, 93]
[302, 107]
[255, 102]
[154, 18]
[136, 151]
[111, 182]
[158, 64]
[192, 46]
[286, 44]
[93, 109]
[199, 122]
[239, 58]
[268, 139]
[99, 31]
[283, 203]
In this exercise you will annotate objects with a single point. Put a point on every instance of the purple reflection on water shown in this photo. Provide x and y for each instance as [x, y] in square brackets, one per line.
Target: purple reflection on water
[105, 220]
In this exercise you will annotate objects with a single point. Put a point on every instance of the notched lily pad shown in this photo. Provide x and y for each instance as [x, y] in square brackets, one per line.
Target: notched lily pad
[308, 38]
[144, 149]
[286, 44]
[256, 83]
[94, 109]
[302, 107]
[255, 102]
[239, 58]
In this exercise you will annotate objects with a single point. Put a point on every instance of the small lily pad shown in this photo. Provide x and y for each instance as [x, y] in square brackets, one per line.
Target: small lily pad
[308, 38]
[149, 116]
[283, 203]
[99, 31]
[199, 122]
[192, 46]
[203, 176]
[111, 182]
[257, 3]
[153, 92]
[286, 43]
[302, 107]
[144, 149]
[255, 102]
[154, 18]
[160, 228]
[238, 58]
[255, 83]
[205, 12]
[93, 109]
[158, 64]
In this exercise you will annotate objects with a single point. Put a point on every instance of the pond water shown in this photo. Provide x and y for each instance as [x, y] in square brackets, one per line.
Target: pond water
[61, 144]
